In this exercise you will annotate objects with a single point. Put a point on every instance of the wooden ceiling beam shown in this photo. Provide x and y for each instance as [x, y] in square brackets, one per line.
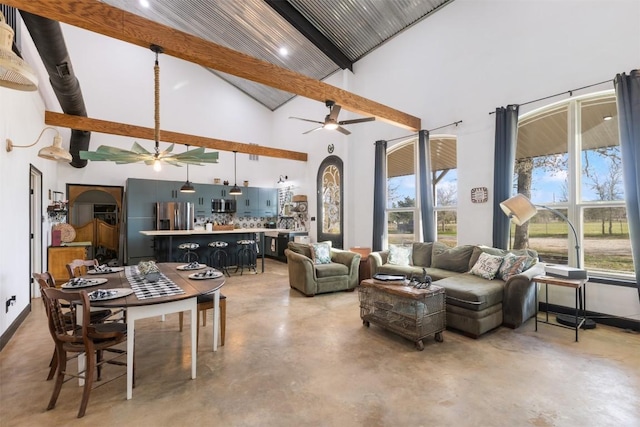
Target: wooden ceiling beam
[116, 23]
[113, 128]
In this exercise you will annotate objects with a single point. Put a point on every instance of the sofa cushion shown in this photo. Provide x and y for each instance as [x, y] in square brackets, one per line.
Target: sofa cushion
[422, 254]
[300, 248]
[331, 269]
[320, 253]
[400, 255]
[487, 266]
[454, 259]
[472, 292]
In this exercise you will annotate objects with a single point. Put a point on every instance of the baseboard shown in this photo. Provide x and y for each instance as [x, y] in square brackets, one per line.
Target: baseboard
[4, 339]
[605, 319]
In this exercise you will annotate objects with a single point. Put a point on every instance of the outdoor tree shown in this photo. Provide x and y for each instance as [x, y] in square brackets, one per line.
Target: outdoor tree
[607, 186]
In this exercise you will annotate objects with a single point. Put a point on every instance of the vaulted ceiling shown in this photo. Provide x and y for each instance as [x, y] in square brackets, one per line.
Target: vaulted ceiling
[320, 36]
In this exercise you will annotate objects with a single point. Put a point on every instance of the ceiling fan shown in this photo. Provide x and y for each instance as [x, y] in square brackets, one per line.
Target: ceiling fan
[331, 120]
[139, 154]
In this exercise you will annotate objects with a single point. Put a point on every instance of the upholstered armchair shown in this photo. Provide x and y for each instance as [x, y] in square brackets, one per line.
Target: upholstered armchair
[340, 274]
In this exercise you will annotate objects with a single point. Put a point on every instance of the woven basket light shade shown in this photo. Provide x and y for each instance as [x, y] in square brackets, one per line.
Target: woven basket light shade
[15, 73]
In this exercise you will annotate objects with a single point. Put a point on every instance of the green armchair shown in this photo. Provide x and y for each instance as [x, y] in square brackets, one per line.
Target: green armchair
[341, 274]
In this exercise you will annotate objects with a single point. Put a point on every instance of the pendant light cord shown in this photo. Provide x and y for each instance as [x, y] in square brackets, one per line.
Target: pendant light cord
[156, 72]
[235, 170]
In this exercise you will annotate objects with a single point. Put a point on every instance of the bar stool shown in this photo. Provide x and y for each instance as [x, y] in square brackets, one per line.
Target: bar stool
[219, 257]
[188, 249]
[246, 255]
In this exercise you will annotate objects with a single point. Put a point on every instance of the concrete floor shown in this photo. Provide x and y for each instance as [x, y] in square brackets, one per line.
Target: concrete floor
[290, 360]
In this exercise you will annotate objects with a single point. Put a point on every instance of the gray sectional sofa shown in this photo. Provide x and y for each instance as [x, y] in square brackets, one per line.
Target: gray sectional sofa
[474, 304]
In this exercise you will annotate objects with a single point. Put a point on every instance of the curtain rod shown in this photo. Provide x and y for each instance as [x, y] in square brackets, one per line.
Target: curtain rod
[428, 130]
[570, 92]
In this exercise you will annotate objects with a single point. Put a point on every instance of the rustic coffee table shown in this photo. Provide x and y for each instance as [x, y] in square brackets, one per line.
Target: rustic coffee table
[409, 312]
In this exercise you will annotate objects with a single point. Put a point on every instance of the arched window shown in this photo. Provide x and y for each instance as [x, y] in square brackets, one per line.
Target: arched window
[403, 204]
[568, 158]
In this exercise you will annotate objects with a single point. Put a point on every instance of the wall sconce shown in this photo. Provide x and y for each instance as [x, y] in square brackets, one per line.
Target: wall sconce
[282, 179]
[53, 152]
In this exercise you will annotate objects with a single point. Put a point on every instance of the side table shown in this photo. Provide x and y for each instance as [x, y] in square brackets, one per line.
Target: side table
[404, 310]
[580, 299]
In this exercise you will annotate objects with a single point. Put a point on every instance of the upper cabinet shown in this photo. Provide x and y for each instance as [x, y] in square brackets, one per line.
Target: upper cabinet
[257, 202]
[142, 195]
[268, 201]
[247, 203]
[141, 198]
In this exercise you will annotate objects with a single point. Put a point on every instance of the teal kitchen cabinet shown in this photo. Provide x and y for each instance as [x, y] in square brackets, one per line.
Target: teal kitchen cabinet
[247, 204]
[268, 202]
[141, 198]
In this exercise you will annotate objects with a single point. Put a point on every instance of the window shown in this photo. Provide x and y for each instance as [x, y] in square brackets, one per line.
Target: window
[403, 206]
[568, 159]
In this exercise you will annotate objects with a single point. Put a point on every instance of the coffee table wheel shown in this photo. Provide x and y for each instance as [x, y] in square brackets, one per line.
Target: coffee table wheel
[439, 337]
[419, 345]
[366, 323]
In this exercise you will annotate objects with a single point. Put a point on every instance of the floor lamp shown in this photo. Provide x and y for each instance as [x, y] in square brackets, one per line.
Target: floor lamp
[520, 209]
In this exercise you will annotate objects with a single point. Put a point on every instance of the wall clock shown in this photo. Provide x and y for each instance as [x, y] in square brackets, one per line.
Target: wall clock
[330, 148]
[479, 195]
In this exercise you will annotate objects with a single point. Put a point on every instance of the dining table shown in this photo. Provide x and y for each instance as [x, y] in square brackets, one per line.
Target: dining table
[177, 291]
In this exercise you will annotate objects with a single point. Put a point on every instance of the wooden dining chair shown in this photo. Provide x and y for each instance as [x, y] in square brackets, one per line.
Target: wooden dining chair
[205, 302]
[79, 267]
[91, 339]
[45, 280]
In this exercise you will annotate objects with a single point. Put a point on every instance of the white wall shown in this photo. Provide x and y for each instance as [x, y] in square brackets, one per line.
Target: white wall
[473, 56]
[459, 64]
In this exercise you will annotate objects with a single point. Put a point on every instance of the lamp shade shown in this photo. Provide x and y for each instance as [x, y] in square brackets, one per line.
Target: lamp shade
[235, 191]
[519, 209]
[187, 187]
[14, 72]
[55, 151]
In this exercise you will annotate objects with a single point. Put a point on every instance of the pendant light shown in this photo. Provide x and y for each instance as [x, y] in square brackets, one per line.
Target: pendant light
[187, 187]
[15, 73]
[235, 190]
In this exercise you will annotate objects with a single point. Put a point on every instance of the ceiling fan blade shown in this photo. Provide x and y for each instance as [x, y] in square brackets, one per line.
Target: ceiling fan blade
[307, 120]
[137, 148]
[351, 122]
[312, 130]
[343, 130]
[333, 113]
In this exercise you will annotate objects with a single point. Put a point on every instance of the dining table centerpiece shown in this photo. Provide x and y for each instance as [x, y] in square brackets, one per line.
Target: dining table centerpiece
[149, 270]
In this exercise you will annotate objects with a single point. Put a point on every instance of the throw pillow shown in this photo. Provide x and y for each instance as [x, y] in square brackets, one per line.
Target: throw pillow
[321, 253]
[400, 255]
[452, 259]
[422, 254]
[487, 266]
[513, 265]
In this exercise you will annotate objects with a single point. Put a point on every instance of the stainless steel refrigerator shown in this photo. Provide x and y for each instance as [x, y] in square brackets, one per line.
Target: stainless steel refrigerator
[174, 216]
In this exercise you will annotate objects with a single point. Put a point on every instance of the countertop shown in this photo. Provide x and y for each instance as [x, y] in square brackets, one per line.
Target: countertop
[234, 231]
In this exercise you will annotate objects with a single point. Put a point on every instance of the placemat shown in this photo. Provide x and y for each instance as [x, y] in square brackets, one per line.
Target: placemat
[144, 289]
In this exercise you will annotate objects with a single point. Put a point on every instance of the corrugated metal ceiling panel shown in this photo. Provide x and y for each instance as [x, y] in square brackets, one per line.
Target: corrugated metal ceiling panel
[357, 27]
[254, 28]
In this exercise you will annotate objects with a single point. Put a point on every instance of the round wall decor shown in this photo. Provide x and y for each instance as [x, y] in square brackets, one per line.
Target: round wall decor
[67, 232]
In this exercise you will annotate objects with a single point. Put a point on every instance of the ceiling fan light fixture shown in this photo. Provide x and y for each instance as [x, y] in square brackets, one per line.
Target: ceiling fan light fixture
[157, 165]
[331, 126]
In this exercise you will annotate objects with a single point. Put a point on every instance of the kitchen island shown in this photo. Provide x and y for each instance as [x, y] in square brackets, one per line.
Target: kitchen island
[165, 241]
